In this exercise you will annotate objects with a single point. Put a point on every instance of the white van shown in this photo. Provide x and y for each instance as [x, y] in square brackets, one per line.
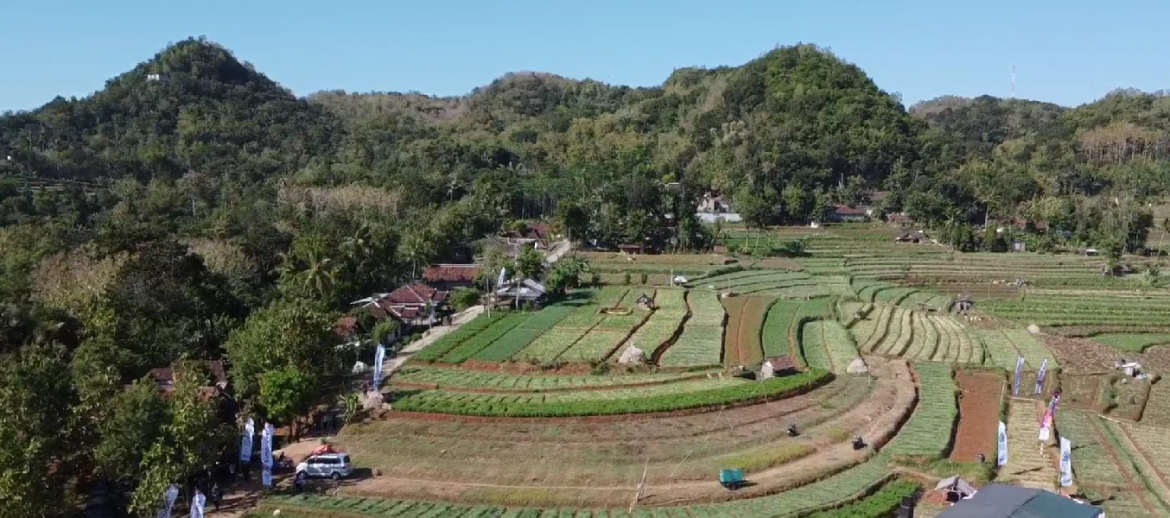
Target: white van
[332, 465]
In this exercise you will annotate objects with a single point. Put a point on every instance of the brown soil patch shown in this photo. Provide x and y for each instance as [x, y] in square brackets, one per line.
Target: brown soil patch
[979, 398]
[1081, 355]
[732, 354]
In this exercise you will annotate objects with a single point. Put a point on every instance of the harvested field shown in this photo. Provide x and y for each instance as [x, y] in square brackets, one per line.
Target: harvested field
[745, 317]
[579, 462]
[979, 399]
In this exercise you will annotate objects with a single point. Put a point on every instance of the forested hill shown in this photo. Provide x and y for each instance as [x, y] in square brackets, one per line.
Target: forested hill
[784, 135]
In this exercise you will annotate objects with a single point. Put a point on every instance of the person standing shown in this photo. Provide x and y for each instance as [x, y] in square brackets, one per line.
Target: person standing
[216, 495]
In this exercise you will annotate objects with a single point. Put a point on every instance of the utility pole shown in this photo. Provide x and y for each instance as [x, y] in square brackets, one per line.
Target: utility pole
[641, 486]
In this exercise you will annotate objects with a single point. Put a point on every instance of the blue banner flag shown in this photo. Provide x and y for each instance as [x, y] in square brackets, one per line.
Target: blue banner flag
[1040, 376]
[1016, 381]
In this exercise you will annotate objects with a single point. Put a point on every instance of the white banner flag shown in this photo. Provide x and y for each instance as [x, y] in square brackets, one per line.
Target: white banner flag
[1016, 380]
[266, 453]
[1003, 451]
[169, 497]
[1065, 462]
[266, 476]
[197, 504]
[379, 357]
[246, 441]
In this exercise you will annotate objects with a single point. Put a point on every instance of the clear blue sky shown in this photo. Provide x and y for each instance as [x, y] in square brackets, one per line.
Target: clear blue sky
[1066, 51]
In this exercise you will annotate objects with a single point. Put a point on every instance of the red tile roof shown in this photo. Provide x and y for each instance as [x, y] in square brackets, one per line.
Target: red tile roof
[166, 375]
[451, 273]
[414, 293]
[845, 210]
[345, 326]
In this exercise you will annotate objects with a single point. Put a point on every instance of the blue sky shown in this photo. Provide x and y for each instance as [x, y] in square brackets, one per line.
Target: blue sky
[1069, 52]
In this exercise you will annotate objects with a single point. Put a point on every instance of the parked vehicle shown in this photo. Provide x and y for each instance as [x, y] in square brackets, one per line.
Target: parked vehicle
[333, 465]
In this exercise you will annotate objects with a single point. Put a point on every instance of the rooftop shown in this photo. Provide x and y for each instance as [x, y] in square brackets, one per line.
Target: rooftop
[451, 273]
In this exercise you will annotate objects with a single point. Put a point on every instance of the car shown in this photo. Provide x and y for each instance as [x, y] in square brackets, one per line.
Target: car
[333, 465]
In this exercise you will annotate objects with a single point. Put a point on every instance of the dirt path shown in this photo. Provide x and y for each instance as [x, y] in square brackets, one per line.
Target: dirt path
[389, 365]
[979, 397]
[1028, 465]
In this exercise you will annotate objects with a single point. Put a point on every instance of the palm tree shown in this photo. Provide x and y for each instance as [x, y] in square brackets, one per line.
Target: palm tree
[318, 275]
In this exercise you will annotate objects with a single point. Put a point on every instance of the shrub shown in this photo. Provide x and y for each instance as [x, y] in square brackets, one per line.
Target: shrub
[464, 298]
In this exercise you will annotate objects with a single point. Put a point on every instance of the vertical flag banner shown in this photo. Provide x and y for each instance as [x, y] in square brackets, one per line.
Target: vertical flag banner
[1040, 376]
[1016, 381]
[266, 454]
[169, 497]
[379, 357]
[246, 441]
[1003, 452]
[1065, 462]
[197, 504]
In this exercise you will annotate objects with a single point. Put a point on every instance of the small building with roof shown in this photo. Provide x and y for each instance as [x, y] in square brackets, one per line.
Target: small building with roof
[451, 276]
[414, 304]
[1003, 501]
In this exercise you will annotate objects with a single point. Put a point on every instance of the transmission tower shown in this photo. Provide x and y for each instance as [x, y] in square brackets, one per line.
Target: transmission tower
[1013, 82]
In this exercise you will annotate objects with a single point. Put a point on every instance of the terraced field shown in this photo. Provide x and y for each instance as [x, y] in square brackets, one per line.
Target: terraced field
[1028, 465]
[1004, 346]
[745, 317]
[1104, 470]
[501, 417]
[701, 341]
[663, 324]
[827, 345]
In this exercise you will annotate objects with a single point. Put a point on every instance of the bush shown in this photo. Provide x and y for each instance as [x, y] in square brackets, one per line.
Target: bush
[626, 278]
[464, 298]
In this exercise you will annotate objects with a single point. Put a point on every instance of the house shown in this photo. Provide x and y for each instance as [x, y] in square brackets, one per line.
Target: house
[517, 292]
[713, 207]
[451, 276]
[415, 304]
[899, 218]
[632, 249]
[911, 236]
[538, 235]
[845, 213]
[164, 377]
[1003, 501]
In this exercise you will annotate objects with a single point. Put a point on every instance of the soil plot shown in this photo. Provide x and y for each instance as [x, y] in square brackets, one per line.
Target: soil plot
[979, 394]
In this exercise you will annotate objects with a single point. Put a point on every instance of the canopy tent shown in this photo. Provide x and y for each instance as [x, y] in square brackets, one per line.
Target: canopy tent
[956, 484]
[1000, 501]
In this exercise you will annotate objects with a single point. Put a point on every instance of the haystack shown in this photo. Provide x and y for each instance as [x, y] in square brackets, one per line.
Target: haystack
[632, 355]
[857, 366]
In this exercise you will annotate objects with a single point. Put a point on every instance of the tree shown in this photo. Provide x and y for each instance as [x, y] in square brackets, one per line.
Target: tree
[573, 220]
[565, 274]
[39, 458]
[529, 263]
[293, 333]
[286, 393]
[134, 422]
[188, 444]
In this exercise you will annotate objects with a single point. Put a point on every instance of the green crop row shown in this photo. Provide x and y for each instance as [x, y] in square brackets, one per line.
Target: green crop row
[776, 326]
[881, 504]
[696, 346]
[452, 339]
[463, 379]
[839, 344]
[929, 430]
[519, 337]
[645, 400]
[479, 342]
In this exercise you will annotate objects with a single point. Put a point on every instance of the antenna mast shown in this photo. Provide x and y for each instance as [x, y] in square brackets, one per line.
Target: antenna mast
[1013, 81]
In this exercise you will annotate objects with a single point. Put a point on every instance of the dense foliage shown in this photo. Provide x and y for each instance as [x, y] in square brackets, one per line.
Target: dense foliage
[195, 210]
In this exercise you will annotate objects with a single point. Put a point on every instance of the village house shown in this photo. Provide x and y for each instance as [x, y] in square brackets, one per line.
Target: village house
[450, 277]
[517, 292]
[847, 214]
[713, 207]
[415, 305]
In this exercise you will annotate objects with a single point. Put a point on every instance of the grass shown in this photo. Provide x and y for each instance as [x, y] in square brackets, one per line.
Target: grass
[1132, 342]
[483, 339]
[452, 339]
[775, 336]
